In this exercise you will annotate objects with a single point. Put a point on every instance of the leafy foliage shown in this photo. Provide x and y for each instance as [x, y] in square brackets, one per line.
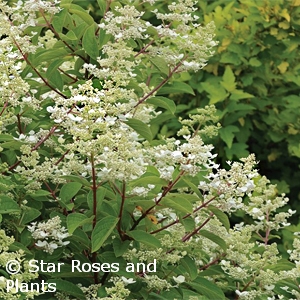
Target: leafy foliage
[92, 181]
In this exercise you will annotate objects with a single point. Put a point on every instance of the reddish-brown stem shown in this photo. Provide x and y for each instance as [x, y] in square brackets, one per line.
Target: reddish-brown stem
[52, 130]
[159, 85]
[4, 107]
[196, 230]
[186, 216]
[123, 197]
[49, 25]
[37, 72]
[94, 189]
[50, 190]
[62, 157]
[165, 192]
[216, 260]
[19, 123]
[68, 75]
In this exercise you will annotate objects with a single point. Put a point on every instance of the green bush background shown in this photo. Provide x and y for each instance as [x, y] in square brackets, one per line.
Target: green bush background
[253, 79]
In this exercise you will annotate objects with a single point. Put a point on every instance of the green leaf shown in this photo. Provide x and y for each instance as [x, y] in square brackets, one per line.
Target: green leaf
[37, 195]
[48, 55]
[221, 216]
[102, 5]
[239, 94]
[226, 134]
[29, 215]
[176, 87]
[68, 287]
[100, 194]
[193, 187]
[89, 42]
[228, 81]
[120, 246]
[163, 102]
[141, 128]
[102, 230]
[76, 220]
[69, 190]
[145, 238]
[56, 80]
[160, 64]
[80, 12]
[79, 179]
[6, 137]
[190, 266]
[59, 20]
[7, 205]
[216, 93]
[254, 62]
[282, 265]
[214, 270]
[12, 145]
[179, 203]
[207, 288]
[144, 181]
[237, 149]
[214, 238]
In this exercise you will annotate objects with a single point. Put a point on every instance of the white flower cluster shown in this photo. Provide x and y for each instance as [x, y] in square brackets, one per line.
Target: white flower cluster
[229, 186]
[49, 235]
[190, 156]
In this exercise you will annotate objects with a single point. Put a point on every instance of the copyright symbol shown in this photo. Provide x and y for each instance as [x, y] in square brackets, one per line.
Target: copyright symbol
[13, 267]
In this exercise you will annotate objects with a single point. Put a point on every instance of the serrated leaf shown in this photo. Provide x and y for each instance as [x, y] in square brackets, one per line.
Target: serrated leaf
[176, 87]
[102, 230]
[145, 238]
[8, 205]
[228, 80]
[214, 238]
[216, 93]
[69, 190]
[141, 128]
[89, 42]
[68, 287]
[163, 102]
[207, 288]
[179, 203]
[239, 94]
[160, 64]
[221, 216]
[76, 220]
[226, 134]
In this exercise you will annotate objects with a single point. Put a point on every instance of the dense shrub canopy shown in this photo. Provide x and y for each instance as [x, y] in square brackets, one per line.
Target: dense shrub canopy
[109, 187]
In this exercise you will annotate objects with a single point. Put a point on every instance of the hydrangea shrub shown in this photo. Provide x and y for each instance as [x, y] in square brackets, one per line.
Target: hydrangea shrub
[87, 184]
